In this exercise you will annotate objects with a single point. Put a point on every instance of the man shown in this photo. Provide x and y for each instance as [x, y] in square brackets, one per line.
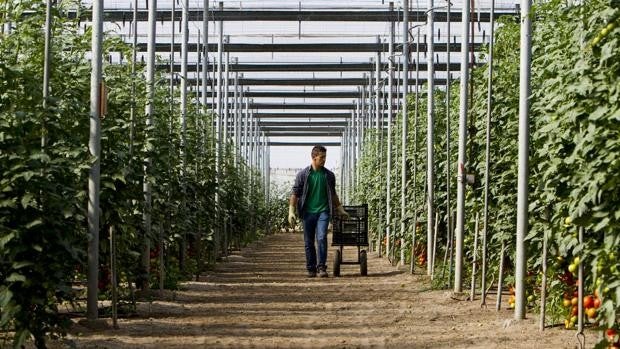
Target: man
[314, 197]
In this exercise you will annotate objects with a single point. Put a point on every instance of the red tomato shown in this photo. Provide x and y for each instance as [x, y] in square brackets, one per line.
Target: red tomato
[611, 333]
[596, 303]
[588, 301]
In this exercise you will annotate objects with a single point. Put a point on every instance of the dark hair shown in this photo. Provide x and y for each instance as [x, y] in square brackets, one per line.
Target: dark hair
[318, 149]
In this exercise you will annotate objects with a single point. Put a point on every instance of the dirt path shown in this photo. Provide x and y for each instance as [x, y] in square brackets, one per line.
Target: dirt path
[261, 298]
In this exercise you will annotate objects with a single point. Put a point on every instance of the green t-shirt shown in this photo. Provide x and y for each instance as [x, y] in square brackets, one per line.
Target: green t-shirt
[317, 192]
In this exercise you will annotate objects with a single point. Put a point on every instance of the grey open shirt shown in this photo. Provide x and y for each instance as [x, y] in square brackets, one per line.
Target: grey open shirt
[300, 189]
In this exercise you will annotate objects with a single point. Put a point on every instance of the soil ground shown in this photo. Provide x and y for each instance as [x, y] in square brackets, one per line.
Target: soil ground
[260, 297]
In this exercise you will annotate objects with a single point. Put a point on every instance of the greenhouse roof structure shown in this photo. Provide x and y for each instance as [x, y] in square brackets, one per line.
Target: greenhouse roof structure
[305, 61]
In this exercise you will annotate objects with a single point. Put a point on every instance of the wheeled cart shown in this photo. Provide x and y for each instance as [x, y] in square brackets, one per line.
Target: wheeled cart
[351, 232]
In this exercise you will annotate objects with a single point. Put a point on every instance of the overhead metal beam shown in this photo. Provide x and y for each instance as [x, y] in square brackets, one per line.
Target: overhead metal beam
[196, 15]
[314, 82]
[303, 115]
[304, 144]
[318, 47]
[311, 106]
[272, 133]
[274, 124]
[294, 94]
[307, 129]
[310, 67]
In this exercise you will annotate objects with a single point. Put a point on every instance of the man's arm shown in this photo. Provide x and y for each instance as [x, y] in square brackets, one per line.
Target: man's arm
[292, 201]
[336, 200]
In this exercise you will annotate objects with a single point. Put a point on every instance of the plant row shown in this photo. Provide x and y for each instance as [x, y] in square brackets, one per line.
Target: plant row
[45, 164]
[574, 161]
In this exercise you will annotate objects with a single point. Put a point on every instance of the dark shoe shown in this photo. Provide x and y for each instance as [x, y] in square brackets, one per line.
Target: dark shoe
[323, 273]
[311, 273]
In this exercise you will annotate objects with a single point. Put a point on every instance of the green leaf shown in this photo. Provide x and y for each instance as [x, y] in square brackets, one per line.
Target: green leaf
[19, 265]
[5, 296]
[8, 203]
[15, 277]
[6, 239]
[27, 200]
[34, 223]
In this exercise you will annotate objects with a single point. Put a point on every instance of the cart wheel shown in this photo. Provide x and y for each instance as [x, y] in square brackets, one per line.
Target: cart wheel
[363, 263]
[337, 260]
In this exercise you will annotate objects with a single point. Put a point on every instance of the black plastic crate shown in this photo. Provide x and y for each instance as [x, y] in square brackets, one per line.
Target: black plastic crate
[352, 231]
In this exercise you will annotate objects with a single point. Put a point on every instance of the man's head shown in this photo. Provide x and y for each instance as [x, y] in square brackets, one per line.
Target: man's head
[319, 153]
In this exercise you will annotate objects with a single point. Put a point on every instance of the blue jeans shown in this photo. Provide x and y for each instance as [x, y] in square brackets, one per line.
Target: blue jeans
[315, 225]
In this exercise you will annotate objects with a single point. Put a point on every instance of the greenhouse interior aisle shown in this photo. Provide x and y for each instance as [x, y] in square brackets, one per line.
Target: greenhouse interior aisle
[140, 143]
[261, 298]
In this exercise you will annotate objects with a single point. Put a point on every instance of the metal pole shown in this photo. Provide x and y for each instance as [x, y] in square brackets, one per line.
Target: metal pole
[246, 145]
[94, 147]
[388, 192]
[46, 66]
[434, 245]
[488, 157]
[460, 191]
[113, 277]
[543, 285]
[378, 114]
[132, 110]
[150, 92]
[184, 42]
[218, 143]
[415, 147]
[500, 277]
[205, 51]
[472, 292]
[524, 139]
[448, 135]
[172, 56]
[225, 96]
[236, 116]
[430, 136]
[403, 163]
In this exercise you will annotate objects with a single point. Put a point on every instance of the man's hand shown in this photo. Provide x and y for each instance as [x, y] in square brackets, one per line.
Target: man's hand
[342, 213]
[292, 215]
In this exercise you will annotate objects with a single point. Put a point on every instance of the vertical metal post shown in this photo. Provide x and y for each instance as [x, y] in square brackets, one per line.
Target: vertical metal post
[378, 114]
[403, 163]
[220, 53]
[388, 192]
[363, 108]
[430, 129]
[371, 106]
[246, 134]
[172, 55]
[448, 134]
[205, 52]
[359, 136]
[184, 42]
[415, 148]
[218, 132]
[524, 139]
[94, 147]
[150, 104]
[460, 193]
[225, 95]
[198, 77]
[488, 157]
[134, 55]
[46, 66]
[113, 277]
[236, 116]
[472, 293]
